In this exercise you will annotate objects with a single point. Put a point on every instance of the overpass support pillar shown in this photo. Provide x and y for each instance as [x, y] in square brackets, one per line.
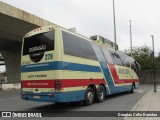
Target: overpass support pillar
[12, 61]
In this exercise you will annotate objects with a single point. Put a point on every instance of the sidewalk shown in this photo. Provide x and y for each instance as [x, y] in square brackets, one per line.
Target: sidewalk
[149, 102]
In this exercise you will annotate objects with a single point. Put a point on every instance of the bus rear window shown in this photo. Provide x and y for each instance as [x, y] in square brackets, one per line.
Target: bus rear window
[39, 43]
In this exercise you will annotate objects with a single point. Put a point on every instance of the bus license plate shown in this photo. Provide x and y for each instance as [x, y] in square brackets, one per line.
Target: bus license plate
[36, 97]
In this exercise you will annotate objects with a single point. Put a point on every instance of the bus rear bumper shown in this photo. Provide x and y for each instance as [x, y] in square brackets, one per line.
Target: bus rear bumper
[54, 97]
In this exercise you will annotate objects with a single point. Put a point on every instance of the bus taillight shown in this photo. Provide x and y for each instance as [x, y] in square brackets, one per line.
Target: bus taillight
[51, 28]
[23, 94]
[57, 85]
[51, 95]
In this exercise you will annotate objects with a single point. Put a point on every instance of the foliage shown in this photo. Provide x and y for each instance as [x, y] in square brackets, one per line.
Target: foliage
[143, 55]
[157, 63]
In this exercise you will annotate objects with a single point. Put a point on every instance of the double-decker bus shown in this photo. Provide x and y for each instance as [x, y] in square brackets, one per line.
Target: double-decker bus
[61, 66]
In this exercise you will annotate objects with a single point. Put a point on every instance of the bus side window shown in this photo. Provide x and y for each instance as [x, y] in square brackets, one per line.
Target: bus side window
[133, 65]
[116, 58]
[125, 59]
[127, 63]
[77, 46]
[90, 52]
[107, 55]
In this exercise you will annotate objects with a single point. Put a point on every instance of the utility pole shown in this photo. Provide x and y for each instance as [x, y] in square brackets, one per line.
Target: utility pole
[114, 19]
[131, 37]
[155, 90]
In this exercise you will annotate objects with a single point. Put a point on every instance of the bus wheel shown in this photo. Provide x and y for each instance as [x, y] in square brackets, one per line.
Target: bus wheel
[132, 89]
[100, 95]
[89, 96]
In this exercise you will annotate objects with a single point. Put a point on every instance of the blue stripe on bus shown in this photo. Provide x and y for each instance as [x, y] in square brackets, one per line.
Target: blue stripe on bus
[108, 77]
[71, 96]
[77, 95]
[58, 65]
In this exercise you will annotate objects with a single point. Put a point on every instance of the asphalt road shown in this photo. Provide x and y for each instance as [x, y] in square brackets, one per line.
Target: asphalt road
[11, 101]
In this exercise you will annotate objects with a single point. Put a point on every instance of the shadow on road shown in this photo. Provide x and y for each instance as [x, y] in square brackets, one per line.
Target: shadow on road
[57, 107]
[73, 106]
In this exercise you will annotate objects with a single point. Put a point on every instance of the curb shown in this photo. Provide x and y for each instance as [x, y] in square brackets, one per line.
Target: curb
[149, 102]
[136, 106]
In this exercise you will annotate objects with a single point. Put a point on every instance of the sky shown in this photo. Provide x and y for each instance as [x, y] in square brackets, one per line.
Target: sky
[95, 17]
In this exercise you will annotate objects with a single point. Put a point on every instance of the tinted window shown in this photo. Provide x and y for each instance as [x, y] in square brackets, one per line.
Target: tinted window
[90, 53]
[99, 53]
[77, 46]
[107, 55]
[115, 57]
[133, 65]
[125, 59]
[39, 43]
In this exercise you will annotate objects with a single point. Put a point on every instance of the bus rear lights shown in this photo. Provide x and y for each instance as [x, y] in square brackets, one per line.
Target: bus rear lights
[51, 28]
[23, 94]
[37, 29]
[57, 85]
[51, 95]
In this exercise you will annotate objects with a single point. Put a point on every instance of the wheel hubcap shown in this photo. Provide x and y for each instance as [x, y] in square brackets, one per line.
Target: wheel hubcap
[101, 94]
[90, 96]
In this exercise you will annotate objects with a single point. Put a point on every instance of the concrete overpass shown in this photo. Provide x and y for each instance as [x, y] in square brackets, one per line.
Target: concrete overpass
[14, 23]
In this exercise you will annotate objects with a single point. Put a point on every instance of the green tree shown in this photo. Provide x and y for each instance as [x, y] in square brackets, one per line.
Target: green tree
[143, 55]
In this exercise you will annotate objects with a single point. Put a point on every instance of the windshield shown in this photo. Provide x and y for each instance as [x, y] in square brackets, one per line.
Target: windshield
[39, 43]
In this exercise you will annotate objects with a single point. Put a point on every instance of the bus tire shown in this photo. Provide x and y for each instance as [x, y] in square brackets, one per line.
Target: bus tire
[132, 89]
[100, 94]
[89, 96]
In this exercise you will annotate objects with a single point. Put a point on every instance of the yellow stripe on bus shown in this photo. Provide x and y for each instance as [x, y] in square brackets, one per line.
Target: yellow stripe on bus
[60, 74]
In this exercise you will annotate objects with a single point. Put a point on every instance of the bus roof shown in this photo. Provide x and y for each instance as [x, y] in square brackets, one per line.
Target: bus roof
[48, 28]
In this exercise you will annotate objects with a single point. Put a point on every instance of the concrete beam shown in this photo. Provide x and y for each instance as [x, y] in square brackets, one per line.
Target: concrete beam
[22, 15]
[15, 23]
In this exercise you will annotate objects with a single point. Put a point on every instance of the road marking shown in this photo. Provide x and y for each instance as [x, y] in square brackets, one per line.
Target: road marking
[139, 91]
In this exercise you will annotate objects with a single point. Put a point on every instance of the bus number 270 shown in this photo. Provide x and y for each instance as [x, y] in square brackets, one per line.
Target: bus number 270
[48, 57]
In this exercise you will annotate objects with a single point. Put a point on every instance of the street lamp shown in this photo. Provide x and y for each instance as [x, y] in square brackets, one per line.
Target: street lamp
[114, 19]
[153, 65]
[131, 35]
